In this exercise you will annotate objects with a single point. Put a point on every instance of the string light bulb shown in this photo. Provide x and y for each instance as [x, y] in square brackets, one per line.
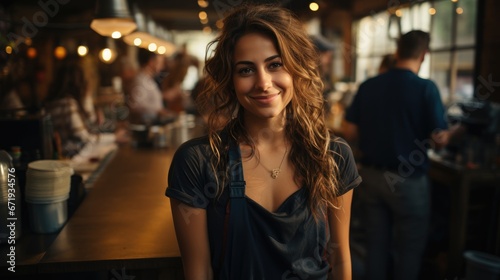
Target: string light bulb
[207, 29]
[60, 52]
[203, 3]
[152, 47]
[202, 15]
[219, 23]
[162, 50]
[313, 6]
[31, 52]
[82, 50]
[137, 42]
[107, 55]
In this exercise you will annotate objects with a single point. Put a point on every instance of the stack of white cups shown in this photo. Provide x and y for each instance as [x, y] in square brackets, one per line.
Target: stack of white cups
[48, 184]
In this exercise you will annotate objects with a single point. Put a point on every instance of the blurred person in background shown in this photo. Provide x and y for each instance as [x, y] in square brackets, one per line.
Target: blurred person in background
[396, 117]
[175, 88]
[65, 104]
[325, 51]
[387, 63]
[145, 99]
[11, 103]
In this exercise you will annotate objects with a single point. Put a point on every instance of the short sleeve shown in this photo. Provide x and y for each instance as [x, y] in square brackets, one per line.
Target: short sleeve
[436, 111]
[187, 176]
[349, 177]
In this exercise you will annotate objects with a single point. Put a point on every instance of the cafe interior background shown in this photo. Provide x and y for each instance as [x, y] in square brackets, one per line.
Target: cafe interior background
[37, 36]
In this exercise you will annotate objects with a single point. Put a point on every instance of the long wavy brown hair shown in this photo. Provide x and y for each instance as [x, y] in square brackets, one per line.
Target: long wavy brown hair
[305, 126]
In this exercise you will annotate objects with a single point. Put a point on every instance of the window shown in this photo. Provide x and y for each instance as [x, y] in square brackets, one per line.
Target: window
[450, 62]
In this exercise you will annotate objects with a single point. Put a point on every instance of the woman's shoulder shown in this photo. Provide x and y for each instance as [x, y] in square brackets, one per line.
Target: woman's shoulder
[199, 146]
[340, 147]
[348, 172]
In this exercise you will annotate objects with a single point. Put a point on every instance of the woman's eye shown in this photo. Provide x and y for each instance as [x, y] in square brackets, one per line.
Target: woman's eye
[275, 65]
[245, 71]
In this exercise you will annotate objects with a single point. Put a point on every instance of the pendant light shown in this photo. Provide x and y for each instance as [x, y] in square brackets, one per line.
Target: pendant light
[113, 19]
[148, 35]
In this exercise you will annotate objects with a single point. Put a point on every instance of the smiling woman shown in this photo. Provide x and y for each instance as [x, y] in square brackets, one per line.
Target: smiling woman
[262, 85]
[269, 195]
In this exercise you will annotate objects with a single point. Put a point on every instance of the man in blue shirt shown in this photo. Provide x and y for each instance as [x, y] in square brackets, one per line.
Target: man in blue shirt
[395, 118]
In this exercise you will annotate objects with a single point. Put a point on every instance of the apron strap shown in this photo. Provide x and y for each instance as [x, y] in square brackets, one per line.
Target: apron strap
[236, 193]
[237, 183]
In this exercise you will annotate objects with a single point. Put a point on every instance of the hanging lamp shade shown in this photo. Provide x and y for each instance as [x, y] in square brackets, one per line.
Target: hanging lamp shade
[113, 19]
[146, 35]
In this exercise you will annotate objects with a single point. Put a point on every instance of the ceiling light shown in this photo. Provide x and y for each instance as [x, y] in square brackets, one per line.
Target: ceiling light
[60, 52]
[313, 6]
[207, 29]
[203, 15]
[152, 47]
[107, 55]
[82, 50]
[116, 35]
[202, 3]
[162, 50]
[31, 52]
[148, 35]
[113, 16]
[219, 24]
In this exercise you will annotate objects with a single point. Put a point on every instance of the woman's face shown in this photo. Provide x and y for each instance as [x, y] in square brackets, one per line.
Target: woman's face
[262, 85]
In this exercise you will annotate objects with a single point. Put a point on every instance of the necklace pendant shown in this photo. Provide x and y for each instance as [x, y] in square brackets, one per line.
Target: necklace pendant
[275, 172]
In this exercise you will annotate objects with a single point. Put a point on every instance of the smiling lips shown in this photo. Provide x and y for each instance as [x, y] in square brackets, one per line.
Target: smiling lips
[265, 99]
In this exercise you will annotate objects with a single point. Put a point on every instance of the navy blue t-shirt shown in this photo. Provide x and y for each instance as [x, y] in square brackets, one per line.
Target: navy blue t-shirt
[395, 113]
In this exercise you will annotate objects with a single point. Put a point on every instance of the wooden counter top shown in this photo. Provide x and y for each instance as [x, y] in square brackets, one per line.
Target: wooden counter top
[124, 221]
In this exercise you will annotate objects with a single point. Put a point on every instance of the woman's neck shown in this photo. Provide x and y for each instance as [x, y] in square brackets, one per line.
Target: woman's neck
[266, 131]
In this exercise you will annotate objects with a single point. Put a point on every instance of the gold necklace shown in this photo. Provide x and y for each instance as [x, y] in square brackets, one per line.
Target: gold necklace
[276, 171]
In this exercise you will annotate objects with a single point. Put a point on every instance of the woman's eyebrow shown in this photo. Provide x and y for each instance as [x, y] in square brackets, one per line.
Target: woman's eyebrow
[265, 60]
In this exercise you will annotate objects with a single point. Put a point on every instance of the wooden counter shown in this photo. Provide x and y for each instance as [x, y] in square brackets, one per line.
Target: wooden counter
[124, 222]
[461, 180]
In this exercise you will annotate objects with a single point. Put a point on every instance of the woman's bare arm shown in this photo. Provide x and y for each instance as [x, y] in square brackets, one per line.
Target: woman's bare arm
[338, 247]
[192, 236]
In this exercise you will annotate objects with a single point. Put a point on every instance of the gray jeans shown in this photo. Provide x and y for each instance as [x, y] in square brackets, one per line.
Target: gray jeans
[396, 222]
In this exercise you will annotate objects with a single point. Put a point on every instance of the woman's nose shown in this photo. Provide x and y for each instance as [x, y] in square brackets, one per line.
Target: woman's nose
[264, 81]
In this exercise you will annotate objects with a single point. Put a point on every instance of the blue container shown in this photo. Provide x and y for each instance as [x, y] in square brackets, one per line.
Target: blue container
[48, 217]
